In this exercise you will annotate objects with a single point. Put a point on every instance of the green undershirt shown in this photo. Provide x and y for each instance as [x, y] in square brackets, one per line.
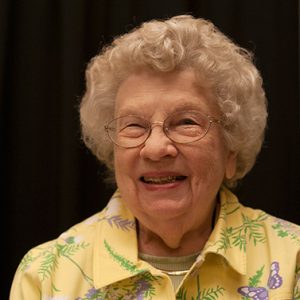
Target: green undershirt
[171, 264]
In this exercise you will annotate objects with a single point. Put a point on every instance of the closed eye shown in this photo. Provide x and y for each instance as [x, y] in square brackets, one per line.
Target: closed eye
[187, 122]
[132, 130]
[134, 125]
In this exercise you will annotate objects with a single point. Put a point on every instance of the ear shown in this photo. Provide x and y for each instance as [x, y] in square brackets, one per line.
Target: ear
[230, 165]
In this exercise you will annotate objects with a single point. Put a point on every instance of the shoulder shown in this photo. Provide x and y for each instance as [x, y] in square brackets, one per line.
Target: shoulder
[75, 241]
[257, 223]
[272, 237]
[280, 227]
[73, 255]
[58, 258]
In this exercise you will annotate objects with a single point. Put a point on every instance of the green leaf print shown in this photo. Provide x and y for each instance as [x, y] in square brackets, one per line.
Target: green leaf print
[49, 258]
[282, 233]
[211, 293]
[255, 279]
[182, 294]
[26, 261]
[253, 228]
[233, 210]
[123, 262]
[286, 229]
[47, 266]
[297, 294]
[141, 285]
[250, 230]
[225, 238]
[240, 240]
[70, 249]
[205, 294]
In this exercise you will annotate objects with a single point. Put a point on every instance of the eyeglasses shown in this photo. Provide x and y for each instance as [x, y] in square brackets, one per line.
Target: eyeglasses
[183, 127]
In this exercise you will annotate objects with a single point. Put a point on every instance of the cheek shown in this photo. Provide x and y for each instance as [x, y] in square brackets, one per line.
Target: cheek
[120, 169]
[208, 163]
[124, 162]
[205, 168]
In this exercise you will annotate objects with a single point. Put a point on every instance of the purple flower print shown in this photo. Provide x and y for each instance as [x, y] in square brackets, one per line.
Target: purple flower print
[142, 287]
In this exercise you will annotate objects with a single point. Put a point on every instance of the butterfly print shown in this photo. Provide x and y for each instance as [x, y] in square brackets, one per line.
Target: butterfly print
[255, 293]
[261, 293]
[275, 280]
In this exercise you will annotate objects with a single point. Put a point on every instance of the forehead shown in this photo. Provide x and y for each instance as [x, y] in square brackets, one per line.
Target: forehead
[147, 92]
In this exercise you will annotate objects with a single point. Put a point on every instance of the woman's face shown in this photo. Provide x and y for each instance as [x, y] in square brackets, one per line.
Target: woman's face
[160, 180]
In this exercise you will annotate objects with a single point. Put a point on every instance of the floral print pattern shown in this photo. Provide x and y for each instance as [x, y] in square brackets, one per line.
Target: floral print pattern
[98, 259]
[256, 292]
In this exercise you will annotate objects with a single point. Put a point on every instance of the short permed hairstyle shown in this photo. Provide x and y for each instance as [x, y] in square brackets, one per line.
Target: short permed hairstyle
[181, 42]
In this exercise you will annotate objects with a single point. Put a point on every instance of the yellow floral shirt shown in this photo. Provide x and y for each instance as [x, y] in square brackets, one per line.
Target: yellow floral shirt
[249, 255]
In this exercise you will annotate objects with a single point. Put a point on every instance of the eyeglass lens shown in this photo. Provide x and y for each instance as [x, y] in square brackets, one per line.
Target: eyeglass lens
[183, 127]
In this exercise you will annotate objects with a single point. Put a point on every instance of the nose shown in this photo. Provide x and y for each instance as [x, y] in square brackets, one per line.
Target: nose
[158, 145]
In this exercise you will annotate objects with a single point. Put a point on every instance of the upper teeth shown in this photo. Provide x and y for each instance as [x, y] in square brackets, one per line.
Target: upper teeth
[167, 179]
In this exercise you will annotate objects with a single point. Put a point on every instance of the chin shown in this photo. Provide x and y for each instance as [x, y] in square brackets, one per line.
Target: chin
[166, 208]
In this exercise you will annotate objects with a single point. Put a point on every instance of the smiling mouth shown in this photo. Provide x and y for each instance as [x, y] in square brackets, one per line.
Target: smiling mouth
[162, 180]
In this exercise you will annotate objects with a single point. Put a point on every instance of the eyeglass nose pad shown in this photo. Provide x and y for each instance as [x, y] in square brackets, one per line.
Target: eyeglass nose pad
[162, 124]
[165, 129]
[153, 124]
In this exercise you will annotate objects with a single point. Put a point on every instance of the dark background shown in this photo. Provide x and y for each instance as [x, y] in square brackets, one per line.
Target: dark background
[49, 180]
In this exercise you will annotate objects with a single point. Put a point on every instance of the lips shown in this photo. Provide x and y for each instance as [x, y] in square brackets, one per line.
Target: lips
[162, 179]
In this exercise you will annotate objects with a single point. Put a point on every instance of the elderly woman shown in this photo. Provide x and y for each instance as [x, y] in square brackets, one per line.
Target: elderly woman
[177, 112]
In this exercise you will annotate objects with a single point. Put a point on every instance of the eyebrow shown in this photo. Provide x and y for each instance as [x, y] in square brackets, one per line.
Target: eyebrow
[184, 106]
[187, 106]
[128, 111]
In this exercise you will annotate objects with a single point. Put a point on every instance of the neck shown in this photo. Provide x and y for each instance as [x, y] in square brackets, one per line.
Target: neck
[173, 239]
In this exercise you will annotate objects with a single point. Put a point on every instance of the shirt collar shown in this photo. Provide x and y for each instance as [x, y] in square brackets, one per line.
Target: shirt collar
[116, 249]
[229, 218]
